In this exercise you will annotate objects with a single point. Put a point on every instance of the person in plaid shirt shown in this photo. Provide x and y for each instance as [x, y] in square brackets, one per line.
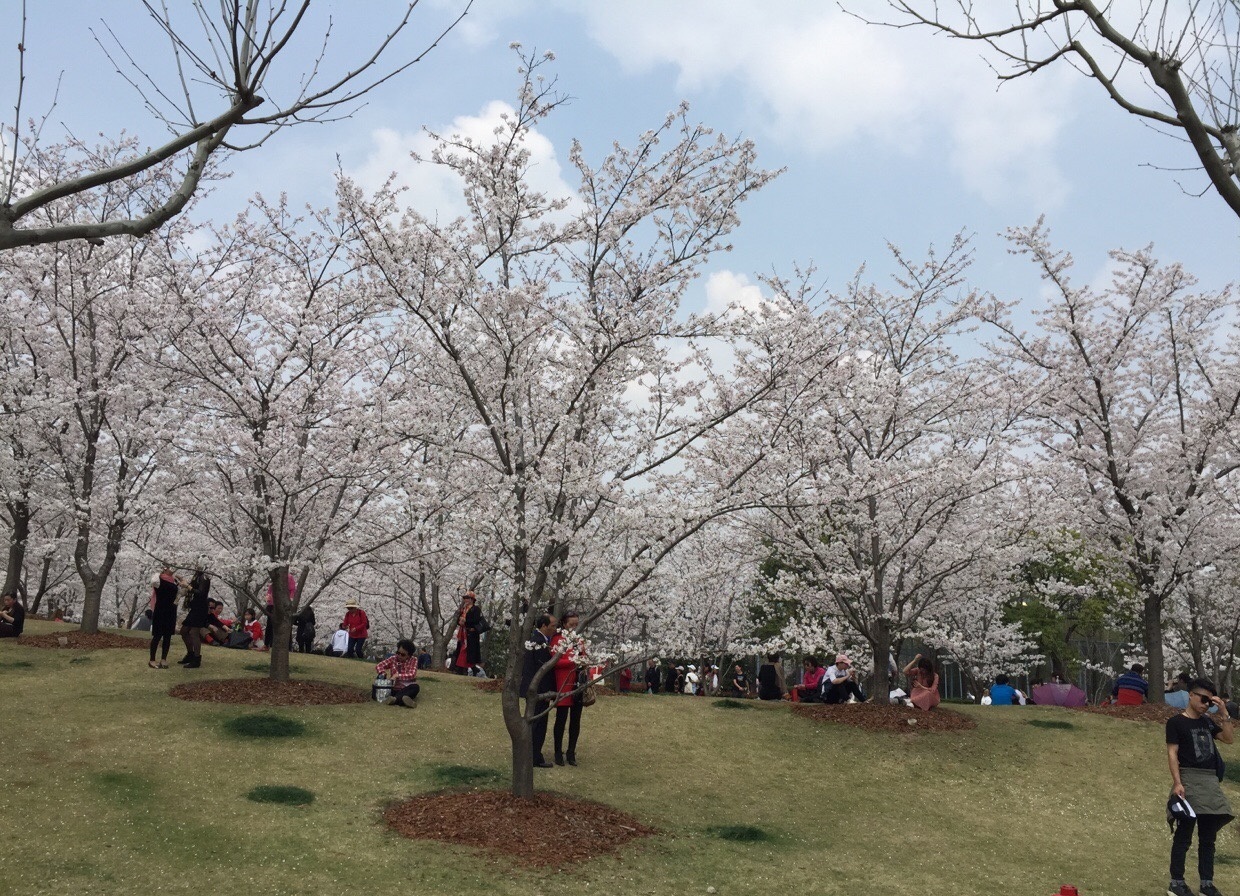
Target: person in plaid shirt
[402, 668]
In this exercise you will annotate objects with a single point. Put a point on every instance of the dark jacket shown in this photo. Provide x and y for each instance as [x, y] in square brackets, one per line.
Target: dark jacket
[534, 660]
[652, 679]
[473, 639]
[164, 613]
[305, 622]
[200, 590]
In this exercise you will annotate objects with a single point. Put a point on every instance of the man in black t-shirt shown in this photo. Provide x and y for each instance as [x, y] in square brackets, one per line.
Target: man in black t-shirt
[12, 617]
[1192, 759]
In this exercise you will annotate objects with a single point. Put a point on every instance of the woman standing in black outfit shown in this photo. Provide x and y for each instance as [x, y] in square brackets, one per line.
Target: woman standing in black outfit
[196, 620]
[164, 588]
[305, 629]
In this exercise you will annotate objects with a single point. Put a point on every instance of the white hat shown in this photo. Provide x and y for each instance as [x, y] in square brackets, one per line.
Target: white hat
[692, 668]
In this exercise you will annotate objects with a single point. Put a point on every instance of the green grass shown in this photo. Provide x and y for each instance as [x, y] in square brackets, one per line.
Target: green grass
[284, 796]
[17, 664]
[1054, 724]
[729, 703]
[109, 783]
[264, 725]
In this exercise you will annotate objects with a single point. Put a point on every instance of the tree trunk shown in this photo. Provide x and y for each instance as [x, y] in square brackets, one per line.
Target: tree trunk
[281, 625]
[879, 685]
[1151, 624]
[519, 733]
[91, 603]
[19, 513]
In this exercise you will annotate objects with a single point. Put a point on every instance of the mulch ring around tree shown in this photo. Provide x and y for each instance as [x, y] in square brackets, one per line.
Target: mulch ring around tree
[547, 830]
[1144, 712]
[885, 717]
[263, 692]
[75, 640]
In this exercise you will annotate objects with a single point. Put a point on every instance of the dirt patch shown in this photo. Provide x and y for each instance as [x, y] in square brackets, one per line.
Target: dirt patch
[879, 717]
[261, 692]
[1143, 712]
[75, 640]
[546, 831]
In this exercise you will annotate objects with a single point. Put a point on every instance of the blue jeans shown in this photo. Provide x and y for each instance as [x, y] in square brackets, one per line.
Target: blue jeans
[356, 646]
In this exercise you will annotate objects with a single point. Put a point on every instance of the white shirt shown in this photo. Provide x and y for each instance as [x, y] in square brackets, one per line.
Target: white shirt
[835, 674]
[340, 640]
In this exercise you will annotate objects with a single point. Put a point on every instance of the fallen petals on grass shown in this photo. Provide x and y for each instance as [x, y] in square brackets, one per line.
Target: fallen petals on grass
[261, 692]
[546, 831]
[878, 717]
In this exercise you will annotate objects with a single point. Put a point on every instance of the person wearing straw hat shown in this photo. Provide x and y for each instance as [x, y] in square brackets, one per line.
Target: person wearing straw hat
[357, 625]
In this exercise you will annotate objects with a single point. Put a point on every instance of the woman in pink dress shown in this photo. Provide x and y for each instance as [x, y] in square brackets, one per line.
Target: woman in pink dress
[923, 683]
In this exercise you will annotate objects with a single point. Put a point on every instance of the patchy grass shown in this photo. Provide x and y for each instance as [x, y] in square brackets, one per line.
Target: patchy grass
[466, 776]
[17, 664]
[264, 725]
[265, 669]
[739, 833]
[730, 703]
[1053, 724]
[284, 796]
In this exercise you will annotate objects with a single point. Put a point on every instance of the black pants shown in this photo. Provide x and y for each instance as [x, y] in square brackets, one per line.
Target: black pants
[356, 646]
[1208, 827]
[840, 692]
[538, 731]
[7, 630]
[571, 715]
[165, 636]
[410, 691]
[305, 642]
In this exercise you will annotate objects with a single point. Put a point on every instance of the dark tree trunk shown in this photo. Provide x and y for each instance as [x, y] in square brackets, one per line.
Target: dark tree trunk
[19, 513]
[1151, 624]
[281, 625]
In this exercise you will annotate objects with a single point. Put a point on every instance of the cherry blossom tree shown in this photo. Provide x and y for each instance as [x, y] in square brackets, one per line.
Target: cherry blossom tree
[1136, 390]
[553, 317]
[877, 490]
[88, 328]
[284, 354]
[228, 82]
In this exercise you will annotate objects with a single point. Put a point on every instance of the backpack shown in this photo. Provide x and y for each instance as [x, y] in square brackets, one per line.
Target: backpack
[484, 625]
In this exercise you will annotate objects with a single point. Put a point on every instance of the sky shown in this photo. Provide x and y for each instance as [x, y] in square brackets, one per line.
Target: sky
[886, 136]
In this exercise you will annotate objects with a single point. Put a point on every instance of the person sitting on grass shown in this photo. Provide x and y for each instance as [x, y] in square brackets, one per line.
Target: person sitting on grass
[839, 685]
[12, 617]
[1002, 693]
[740, 682]
[253, 628]
[340, 642]
[923, 683]
[1176, 692]
[771, 679]
[1131, 688]
[402, 668]
[810, 688]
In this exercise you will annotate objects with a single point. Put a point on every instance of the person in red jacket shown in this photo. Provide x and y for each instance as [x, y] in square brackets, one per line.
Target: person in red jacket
[565, 647]
[358, 626]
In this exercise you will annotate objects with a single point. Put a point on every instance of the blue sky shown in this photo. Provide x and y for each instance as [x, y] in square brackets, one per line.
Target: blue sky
[886, 135]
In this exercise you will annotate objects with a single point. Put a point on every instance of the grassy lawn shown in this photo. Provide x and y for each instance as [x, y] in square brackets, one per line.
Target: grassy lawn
[112, 786]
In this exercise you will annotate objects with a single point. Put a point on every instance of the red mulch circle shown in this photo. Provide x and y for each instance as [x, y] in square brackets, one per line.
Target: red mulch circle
[885, 717]
[1144, 712]
[546, 831]
[264, 692]
[76, 640]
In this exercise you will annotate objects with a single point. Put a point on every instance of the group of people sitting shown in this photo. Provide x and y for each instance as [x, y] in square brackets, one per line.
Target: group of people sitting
[680, 679]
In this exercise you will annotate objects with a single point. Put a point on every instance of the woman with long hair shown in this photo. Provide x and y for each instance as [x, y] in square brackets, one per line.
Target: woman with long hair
[566, 648]
[468, 654]
[923, 683]
[164, 589]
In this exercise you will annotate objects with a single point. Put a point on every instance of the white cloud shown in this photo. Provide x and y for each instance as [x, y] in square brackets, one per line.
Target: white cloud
[824, 81]
[435, 190]
[724, 288]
